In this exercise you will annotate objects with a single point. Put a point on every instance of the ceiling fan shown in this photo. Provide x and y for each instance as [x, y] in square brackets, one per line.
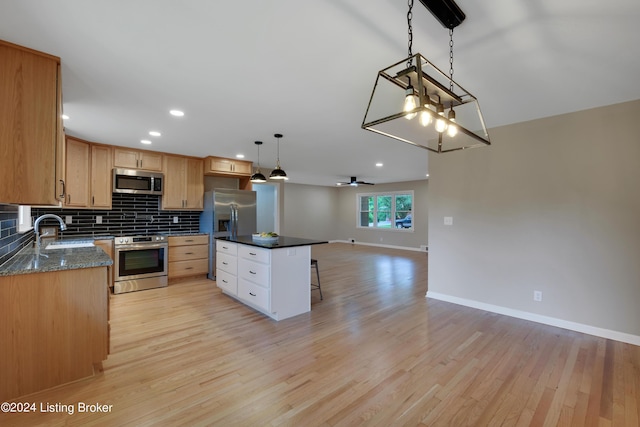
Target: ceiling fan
[354, 182]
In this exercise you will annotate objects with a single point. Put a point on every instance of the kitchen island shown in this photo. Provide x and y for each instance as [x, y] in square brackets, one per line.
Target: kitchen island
[271, 277]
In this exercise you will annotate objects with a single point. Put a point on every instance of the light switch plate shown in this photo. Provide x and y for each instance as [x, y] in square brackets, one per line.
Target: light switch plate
[448, 220]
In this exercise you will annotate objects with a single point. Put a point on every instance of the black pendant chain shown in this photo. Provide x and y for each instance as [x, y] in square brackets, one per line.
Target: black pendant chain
[410, 31]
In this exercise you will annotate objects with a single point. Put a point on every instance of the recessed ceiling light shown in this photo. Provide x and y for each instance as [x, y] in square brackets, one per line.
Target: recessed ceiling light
[379, 164]
[145, 141]
[427, 175]
[240, 156]
[154, 133]
[176, 113]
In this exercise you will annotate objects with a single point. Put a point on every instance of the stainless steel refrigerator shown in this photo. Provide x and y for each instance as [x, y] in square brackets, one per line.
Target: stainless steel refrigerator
[227, 213]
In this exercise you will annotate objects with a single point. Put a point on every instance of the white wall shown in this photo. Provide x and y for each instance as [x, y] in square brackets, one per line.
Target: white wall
[553, 205]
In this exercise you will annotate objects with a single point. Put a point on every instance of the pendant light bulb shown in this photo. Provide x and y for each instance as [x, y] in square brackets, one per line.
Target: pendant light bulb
[441, 124]
[452, 130]
[425, 115]
[410, 102]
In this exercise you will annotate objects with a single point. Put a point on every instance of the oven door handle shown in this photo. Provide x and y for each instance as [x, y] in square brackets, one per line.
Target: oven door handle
[135, 246]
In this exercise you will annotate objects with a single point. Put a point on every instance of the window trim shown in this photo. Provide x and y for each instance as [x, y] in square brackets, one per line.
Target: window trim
[393, 210]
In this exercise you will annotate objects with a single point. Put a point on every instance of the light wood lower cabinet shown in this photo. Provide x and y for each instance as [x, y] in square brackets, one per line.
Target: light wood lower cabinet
[53, 328]
[188, 256]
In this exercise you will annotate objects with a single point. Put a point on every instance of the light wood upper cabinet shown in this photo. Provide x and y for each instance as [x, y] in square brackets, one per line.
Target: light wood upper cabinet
[29, 126]
[222, 166]
[78, 173]
[137, 159]
[101, 178]
[88, 178]
[183, 183]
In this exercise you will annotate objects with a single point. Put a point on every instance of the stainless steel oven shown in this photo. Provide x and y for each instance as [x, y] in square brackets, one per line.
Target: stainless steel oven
[140, 263]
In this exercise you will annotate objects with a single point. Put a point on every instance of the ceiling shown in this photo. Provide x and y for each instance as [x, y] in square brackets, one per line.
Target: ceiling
[242, 71]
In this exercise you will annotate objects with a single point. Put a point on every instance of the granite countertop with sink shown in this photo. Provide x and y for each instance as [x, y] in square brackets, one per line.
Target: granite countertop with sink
[30, 260]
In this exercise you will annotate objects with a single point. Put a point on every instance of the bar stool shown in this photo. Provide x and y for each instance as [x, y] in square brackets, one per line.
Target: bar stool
[314, 263]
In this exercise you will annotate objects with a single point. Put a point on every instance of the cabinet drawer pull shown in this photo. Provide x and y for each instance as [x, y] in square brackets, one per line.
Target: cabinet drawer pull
[190, 240]
[252, 294]
[188, 253]
[224, 263]
[189, 268]
[252, 254]
[225, 247]
[224, 281]
[252, 272]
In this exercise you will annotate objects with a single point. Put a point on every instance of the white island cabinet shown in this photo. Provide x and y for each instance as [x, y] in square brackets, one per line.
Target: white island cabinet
[272, 278]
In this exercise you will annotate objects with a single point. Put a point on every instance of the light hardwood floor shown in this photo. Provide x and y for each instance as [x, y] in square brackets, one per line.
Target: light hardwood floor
[375, 352]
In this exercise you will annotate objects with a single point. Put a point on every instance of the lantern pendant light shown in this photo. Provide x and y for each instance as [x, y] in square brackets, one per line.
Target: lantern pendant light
[278, 173]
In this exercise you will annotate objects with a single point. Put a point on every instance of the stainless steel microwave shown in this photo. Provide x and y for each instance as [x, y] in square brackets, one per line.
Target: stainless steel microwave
[134, 181]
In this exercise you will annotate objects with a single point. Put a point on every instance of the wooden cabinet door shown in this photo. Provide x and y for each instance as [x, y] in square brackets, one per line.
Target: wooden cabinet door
[195, 184]
[125, 158]
[77, 173]
[28, 126]
[150, 161]
[134, 159]
[101, 176]
[174, 196]
[242, 168]
[218, 164]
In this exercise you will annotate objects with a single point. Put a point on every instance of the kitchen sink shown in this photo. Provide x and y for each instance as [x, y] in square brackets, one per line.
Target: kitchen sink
[70, 244]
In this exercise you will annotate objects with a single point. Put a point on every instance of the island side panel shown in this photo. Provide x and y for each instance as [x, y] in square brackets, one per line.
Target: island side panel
[290, 286]
[53, 328]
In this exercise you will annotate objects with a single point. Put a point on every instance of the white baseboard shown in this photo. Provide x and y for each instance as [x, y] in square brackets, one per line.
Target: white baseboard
[552, 321]
[406, 248]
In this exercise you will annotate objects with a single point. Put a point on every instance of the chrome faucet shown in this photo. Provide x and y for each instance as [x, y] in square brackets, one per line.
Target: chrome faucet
[36, 224]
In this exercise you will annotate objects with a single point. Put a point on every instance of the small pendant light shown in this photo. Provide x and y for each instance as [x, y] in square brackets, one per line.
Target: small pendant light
[278, 173]
[258, 177]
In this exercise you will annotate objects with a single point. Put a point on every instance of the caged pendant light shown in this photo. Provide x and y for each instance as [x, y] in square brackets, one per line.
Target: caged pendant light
[278, 173]
[413, 101]
[258, 177]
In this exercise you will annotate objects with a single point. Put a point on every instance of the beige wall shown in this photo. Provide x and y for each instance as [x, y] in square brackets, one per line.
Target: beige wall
[329, 213]
[309, 211]
[347, 205]
[553, 205]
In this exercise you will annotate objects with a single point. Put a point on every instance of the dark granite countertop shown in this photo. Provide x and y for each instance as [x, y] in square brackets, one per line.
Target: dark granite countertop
[28, 260]
[282, 242]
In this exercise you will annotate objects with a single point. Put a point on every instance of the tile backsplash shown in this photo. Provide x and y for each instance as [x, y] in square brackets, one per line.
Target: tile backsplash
[130, 214]
[10, 240]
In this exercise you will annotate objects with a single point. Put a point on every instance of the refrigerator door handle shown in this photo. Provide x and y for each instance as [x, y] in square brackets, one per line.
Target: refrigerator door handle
[234, 219]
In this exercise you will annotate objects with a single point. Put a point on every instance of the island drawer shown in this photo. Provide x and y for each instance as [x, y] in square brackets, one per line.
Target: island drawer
[254, 271]
[254, 294]
[226, 247]
[255, 254]
[227, 282]
[227, 263]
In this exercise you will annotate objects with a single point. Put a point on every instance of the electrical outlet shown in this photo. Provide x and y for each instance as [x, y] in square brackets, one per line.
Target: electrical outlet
[67, 219]
[175, 219]
[98, 219]
[537, 296]
[448, 220]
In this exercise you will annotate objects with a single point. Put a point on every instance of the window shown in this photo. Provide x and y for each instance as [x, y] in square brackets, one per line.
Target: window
[391, 210]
